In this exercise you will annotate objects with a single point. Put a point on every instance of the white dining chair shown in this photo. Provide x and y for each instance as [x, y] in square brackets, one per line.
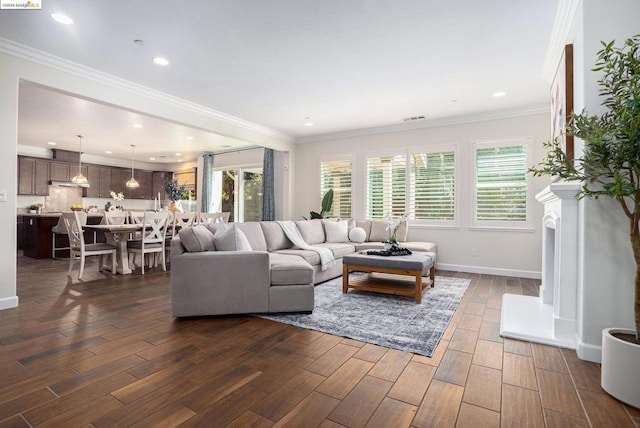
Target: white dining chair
[73, 223]
[153, 236]
[213, 217]
[115, 217]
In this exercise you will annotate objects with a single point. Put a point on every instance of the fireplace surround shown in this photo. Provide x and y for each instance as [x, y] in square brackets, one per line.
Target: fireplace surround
[552, 317]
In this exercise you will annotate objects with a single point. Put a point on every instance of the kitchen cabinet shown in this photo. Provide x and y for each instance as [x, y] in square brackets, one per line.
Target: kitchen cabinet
[119, 177]
[157, 183]
[144, 178]
[99, 181]
[60, 171]
[33, 176]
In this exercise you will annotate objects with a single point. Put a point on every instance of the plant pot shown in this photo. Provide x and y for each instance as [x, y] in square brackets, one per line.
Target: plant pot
[620, 375]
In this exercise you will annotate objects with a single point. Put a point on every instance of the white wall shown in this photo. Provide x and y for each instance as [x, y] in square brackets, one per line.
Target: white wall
[607, 266]
[508, 253]
[17, 63]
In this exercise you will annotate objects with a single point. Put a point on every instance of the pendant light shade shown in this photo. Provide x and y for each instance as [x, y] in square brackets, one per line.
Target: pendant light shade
[80, 179]
[132, 183]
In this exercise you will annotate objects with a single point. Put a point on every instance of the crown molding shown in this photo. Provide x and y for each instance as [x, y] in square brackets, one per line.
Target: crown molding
[565, 14]
[27, 53]
[445, 121]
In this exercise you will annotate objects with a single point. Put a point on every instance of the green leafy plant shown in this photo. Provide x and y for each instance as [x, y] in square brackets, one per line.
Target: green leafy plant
[610, 163]
[173, 190]
[327, 203]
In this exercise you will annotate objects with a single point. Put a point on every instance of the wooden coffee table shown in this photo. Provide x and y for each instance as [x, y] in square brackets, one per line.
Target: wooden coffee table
[414, 265]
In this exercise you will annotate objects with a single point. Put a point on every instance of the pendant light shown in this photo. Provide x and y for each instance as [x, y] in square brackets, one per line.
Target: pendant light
[132, 183]
[80, 179]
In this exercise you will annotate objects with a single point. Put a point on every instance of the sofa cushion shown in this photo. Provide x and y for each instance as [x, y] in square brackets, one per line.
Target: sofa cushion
[357, 235]
[379, 231]
[197, 238]
[366, 225]
[309, 256]
[214, 227]
[253, 232]
[289, 270]
[338, 249]
[311, 230]
[336, 231]
[231, 239]
[274, 236]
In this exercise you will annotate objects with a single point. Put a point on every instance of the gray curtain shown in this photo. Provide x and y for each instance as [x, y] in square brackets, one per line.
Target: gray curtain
[207, 182]
[268, 203]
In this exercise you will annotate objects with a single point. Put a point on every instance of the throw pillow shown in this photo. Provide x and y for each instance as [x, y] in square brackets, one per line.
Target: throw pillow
[231, 239]
[357, 235]
[379, 232]
[196, 239]
[336, 231]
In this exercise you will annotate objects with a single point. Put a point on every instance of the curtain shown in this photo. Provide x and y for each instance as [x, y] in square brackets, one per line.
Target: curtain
[207, 183]
[268, 203]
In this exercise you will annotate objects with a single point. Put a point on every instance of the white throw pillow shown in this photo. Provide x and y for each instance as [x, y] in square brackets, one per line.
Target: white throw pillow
[357, 235]
[231, 239]
[336, 231]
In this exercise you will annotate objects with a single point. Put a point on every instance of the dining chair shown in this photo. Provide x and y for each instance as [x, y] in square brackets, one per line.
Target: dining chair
[213, 217]
[181, 220]
[115, 217]
[153, 236]
[73, 223]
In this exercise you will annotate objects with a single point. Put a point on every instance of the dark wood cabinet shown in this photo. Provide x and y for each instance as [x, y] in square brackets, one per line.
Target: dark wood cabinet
[33, 176]
[157, 184]
[144, 179]
[99, 181]
[119, 177]
[61, 171]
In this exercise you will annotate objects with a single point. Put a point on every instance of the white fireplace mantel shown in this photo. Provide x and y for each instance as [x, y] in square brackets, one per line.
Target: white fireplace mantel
[551, 317]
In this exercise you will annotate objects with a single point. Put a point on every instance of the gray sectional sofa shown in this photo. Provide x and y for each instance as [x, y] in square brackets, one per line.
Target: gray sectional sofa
[254, 267]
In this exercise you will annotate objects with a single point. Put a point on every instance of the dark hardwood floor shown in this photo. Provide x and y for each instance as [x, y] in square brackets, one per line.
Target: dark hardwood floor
[106, 352]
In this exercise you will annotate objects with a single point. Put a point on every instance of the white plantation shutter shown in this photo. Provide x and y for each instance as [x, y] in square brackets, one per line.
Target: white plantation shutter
[433, 186]
[386, 186]
[336, 175]
[501, 184]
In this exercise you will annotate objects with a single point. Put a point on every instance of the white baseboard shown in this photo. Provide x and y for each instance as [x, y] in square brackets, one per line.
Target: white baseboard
[491, 271]
[9, 302]
[589, 352]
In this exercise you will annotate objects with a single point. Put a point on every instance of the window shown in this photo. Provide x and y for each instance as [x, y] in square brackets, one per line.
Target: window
[386, 186]
[421, 184]
[501, 185]
[433, 186]
[336, 175]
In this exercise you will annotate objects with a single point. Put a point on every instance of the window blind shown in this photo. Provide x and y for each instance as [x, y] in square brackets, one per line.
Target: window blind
[386, 186]
[501, 184]
[433, 186]
[336, 175]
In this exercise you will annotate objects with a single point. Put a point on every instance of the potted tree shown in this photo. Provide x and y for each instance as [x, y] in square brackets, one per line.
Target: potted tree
[610, 167]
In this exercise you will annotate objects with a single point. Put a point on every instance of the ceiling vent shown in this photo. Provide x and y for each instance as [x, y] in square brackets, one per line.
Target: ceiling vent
[413, 118]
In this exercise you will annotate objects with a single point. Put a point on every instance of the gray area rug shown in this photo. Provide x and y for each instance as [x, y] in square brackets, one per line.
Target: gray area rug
[391, 321]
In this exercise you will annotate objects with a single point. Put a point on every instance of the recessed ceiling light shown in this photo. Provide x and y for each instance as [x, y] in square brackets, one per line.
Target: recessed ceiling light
[307, 121]
[137, 125]
[225, 146]
[62, 19]
[152, 158]
[179, 160]
[178, 154]
[454, 101]
[108, 152]
[189, 137]
[51, 143]
[499, 94]
[161, 61]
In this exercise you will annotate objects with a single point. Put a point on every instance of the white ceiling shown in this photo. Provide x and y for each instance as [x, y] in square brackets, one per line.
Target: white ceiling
[345, 65]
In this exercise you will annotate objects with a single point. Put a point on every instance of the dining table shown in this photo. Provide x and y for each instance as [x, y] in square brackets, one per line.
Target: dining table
[117, 234]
